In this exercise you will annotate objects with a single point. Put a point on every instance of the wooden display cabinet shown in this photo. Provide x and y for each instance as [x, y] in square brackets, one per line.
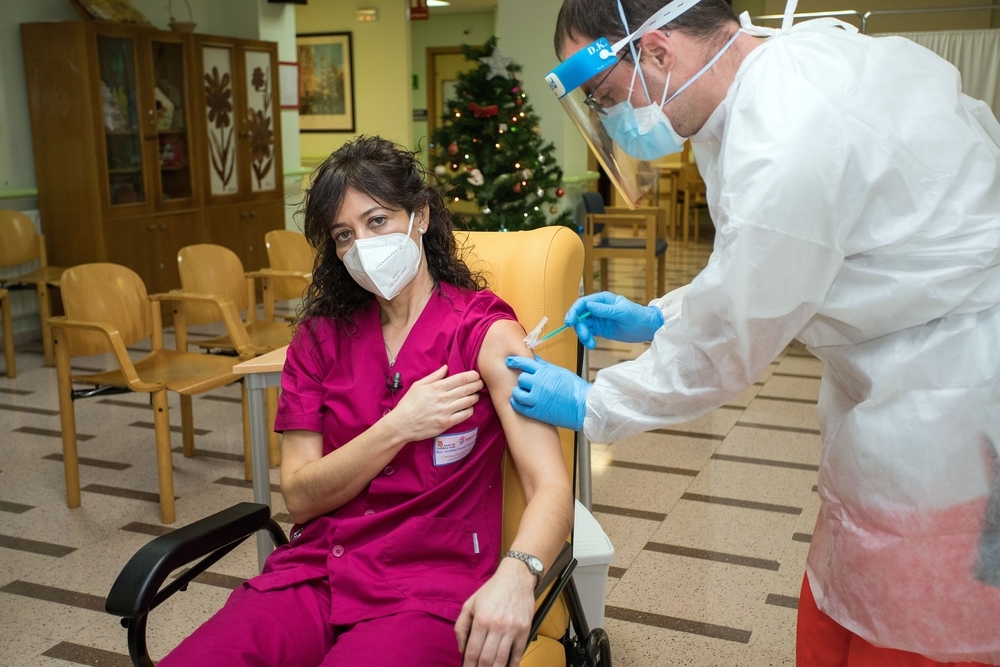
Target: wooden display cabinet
[129, 136]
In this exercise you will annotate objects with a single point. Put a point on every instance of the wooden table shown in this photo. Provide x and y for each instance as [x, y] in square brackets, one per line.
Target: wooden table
[260, 373]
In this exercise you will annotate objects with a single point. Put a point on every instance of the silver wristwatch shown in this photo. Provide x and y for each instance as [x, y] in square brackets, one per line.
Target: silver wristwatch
[533, 562]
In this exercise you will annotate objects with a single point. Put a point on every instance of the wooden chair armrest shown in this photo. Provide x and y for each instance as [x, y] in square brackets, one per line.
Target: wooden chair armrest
[278, 273]
[230, 316]
[610, 219]
[117, 347]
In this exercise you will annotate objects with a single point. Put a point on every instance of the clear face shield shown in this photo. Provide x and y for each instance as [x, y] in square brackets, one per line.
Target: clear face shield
[633, 172]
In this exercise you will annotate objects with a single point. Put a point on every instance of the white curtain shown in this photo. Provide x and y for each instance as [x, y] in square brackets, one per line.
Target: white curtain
[976, 54]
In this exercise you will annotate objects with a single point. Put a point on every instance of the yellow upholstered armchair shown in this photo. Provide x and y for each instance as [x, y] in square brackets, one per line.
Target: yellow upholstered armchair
[538, 273]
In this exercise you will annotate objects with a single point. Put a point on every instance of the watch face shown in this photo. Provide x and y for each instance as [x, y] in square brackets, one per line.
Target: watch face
[535, 564]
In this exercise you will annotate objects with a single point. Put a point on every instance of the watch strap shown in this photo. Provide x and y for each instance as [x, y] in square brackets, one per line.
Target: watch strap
[530, 561]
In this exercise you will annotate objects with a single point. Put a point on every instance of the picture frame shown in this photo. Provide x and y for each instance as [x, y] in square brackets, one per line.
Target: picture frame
[326, 82]
[288, 84]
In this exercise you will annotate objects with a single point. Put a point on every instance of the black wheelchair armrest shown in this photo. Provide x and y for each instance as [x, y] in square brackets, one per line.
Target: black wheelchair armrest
[559, 576]
[136, 592]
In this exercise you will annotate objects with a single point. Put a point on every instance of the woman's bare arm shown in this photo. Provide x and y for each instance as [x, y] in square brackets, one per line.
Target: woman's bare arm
[313, 484]
[496, 619]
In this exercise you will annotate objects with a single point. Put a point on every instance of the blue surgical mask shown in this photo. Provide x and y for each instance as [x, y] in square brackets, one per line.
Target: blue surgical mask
[646, 133]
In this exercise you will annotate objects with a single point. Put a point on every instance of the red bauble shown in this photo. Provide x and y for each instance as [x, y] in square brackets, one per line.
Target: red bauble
[559, 192]
[517, 188]
[453, 148]
[518, 101]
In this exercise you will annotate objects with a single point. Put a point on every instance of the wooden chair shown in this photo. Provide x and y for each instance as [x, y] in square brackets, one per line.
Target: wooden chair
[8, 333]
[212, 269]
[107, 309]
[21, 244]
[291, 260]
[648, 242]
[691, 194]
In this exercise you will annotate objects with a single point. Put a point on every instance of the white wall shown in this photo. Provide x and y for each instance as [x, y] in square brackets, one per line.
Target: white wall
[525, 29]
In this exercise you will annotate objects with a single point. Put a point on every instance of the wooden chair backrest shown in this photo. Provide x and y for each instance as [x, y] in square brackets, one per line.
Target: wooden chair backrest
[206, 268]
[288, 251]
[20, 243]
[108, 294]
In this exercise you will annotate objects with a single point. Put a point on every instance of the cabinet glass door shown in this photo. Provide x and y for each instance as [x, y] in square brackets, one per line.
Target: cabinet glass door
[260, 120]
[169, 86]
[219, 113]
[116, 59]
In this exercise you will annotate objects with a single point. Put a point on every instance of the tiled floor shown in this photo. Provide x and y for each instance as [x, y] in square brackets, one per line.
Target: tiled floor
[710, 520]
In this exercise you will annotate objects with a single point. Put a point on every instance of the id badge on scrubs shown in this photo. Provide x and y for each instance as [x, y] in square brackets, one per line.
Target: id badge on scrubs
[452, 447]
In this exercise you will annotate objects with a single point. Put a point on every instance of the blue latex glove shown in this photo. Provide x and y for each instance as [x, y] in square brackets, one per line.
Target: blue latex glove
[549, 393]
[613, 317]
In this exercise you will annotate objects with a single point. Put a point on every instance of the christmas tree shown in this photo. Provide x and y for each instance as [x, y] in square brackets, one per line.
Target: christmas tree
[488, 149]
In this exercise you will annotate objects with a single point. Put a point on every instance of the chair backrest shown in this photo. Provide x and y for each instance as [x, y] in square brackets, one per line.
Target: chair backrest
[108, 294]
[593, 202]
[206, 268]
[20, 240]
[288, 251]
[537, 273]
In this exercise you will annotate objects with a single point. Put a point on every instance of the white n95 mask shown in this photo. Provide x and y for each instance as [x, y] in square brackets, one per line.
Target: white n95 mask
[384, 265]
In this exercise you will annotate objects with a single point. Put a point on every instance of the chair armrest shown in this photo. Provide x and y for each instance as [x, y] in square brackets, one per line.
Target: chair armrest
[230, 316]
[117, 347]
[613, 218]
[555, 580]
[278, 273]
[136, 591]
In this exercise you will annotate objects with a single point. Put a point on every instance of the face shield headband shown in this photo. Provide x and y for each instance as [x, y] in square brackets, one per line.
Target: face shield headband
[632, 176]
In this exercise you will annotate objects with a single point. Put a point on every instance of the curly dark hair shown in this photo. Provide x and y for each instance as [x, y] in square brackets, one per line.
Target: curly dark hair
[592, 19]
[393, 177]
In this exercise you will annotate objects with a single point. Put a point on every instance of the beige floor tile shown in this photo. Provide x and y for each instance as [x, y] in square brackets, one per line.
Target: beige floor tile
[628, 536]
[731, 530]
[773, 445]
[717, 422]
[793, 565]
[638, 489]
[797, 365]
[774, 633]
[694, 589]
[782, 413]
[744, 398]
[758, 483]
[664, 450]
[766, 375]
[635, 645]
[810, 511]
[784, 386]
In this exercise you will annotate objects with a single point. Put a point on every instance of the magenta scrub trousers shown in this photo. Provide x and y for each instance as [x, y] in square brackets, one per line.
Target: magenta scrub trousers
[288, 627]
[382, 579]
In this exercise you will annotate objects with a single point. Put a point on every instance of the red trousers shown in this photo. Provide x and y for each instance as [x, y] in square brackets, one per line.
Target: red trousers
[822, 642]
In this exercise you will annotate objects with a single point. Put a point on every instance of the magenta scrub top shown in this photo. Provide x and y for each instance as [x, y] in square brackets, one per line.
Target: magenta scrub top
[425, 533]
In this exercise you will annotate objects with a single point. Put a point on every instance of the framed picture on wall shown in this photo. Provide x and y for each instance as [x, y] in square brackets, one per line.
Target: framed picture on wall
[288, 78]
[326, 82]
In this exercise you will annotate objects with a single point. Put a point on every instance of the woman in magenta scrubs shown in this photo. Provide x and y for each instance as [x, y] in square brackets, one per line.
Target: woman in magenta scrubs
[395, 412]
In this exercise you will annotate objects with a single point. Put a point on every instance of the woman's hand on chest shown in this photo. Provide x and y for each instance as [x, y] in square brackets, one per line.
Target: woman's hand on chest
[434, 404]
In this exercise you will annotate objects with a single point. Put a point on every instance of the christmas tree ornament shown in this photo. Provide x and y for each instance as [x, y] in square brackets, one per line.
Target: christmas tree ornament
[553, 209]
[503, 127]
[515, 90]
[517, 188]
[484, 112]
[497, 63]
[452, 148]
[559, 192]
[541, 158]
[518, 101]
[487, 211]
[540, 192]
[476, 177]
[440, 170]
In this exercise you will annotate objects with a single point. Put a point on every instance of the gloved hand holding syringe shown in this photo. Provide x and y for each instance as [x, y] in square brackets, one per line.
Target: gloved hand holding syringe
[532, 339]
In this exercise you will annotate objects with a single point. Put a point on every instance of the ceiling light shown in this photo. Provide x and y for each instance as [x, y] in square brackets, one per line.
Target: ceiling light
[437, 3]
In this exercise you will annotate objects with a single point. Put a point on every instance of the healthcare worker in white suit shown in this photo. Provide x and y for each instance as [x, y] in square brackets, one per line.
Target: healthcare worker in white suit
[855, 193]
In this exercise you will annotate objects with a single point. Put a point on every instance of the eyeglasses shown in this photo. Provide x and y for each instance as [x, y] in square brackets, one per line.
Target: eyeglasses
[592, 103]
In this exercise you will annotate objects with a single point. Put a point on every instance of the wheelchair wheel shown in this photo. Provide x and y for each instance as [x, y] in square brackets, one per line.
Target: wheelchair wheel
[600, 647]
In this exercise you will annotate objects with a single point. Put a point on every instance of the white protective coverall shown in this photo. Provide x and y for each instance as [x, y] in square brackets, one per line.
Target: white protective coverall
[856, 197]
